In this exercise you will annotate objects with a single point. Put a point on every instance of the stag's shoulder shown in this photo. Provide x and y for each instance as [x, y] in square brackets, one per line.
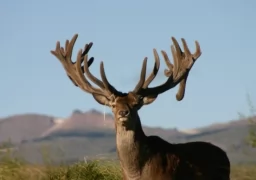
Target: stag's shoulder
[159, 144]
[156, 140]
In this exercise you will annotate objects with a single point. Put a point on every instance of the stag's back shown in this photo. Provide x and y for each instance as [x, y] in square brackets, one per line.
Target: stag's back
[193, 161]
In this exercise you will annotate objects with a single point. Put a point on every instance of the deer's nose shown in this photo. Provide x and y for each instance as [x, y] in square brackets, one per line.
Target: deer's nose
[123, 113]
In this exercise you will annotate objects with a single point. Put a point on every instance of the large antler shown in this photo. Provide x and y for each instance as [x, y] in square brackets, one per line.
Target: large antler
[75, 70]
[177, 72]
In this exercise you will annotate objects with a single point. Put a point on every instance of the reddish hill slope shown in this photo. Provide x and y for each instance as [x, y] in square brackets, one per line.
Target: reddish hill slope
[24, 127]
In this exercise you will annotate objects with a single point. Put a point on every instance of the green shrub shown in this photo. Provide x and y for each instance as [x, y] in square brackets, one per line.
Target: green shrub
[14, 169]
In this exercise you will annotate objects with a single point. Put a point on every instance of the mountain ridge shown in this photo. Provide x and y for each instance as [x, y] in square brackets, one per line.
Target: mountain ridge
[89, 134]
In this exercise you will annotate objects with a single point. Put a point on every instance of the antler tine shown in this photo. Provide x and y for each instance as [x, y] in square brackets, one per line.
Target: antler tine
[178, 72]
[87, 48]
[103, 85]
[155, 70]
[91, 76]
[106, 83]
[103, 91]
[89, 63]
[75, 70]
[198, 52]
[145, 83]
[142, 76]
[182, 87]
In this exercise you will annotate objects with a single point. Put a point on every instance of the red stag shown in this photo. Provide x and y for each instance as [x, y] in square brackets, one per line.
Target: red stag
[148, 157]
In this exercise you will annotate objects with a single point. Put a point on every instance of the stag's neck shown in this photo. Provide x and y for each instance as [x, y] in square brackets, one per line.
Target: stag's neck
[130, 143]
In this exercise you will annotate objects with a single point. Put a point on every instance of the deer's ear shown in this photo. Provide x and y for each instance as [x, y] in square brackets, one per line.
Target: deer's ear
[101, 99]
[149, 99]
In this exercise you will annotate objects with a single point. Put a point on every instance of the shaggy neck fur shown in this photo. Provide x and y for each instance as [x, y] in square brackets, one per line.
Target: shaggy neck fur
[130, 140]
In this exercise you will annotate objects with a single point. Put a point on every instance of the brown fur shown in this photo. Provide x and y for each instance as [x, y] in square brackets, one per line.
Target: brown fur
[148, 157]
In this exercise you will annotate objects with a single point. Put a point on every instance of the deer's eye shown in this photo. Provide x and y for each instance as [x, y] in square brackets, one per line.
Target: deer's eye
[113, 106]
[141, 98]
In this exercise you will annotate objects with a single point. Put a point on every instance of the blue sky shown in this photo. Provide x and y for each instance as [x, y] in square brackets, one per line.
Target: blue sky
[123, 33]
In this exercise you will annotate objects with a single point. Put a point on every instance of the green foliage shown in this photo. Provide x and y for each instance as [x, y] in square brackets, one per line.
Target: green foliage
[15, 169]
[94, 170]
[6, 144]
[252, 133]
[251, 139]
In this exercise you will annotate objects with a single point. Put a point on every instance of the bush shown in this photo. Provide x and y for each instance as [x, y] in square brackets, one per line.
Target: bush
[251, 139]
[94, 170]
[14, 169]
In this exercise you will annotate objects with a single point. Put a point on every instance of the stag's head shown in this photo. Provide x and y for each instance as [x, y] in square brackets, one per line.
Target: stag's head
[125, 106]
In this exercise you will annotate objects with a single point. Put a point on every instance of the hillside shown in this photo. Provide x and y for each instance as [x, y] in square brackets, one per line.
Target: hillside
[24, 127]
[88, 134]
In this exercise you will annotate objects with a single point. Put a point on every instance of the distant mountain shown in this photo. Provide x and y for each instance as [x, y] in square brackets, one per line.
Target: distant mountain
[91, 133]
[81, 122]
[24, 127]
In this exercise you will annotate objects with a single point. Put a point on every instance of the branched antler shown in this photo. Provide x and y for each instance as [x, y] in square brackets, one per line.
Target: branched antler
[76, 71]
[177, 72]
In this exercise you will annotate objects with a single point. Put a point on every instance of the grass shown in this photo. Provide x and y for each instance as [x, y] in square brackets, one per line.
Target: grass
[14, 169]
[245, 172]
[102, 170]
